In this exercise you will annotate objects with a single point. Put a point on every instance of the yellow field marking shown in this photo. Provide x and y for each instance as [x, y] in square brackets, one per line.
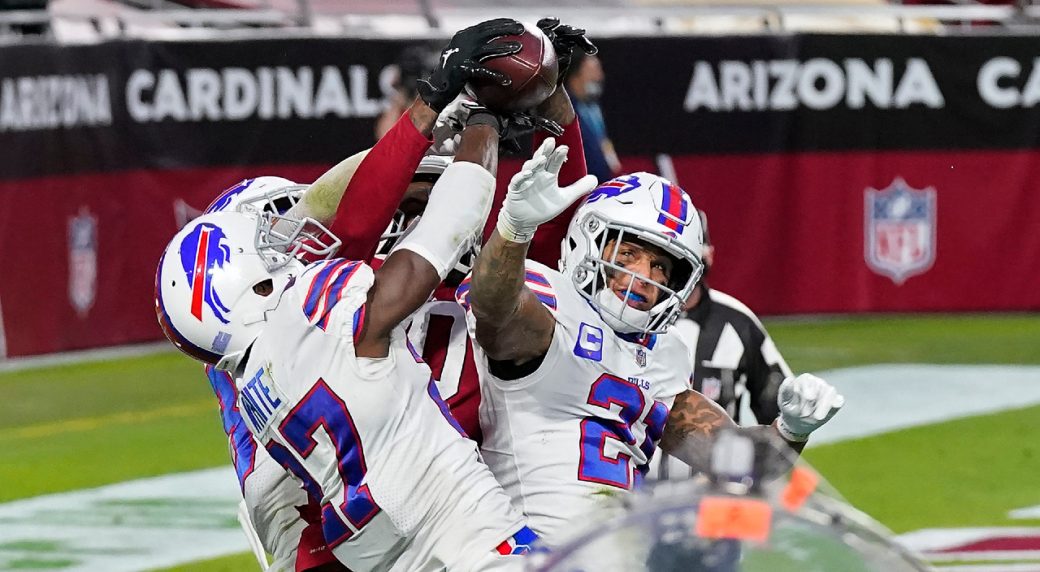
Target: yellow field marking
[125, 418]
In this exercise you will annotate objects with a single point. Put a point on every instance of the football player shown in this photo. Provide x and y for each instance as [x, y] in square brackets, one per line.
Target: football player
[328, 382]
[286, 522]
[582, 375]
[438, 329]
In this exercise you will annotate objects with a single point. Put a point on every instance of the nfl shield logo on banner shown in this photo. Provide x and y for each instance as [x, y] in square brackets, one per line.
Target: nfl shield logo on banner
[82, 261]
[900, 230]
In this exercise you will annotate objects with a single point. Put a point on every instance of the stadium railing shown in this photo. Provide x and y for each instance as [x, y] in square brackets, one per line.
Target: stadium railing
[92, 21]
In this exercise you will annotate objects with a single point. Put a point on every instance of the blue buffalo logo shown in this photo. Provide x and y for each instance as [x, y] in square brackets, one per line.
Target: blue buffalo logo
[227, 196]
[613, 188]
[201, 252]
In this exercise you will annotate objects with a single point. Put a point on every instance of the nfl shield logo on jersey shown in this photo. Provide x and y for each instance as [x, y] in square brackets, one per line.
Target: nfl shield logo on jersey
[711, 387]
[899, 230]
[640, 357]
[82, 261]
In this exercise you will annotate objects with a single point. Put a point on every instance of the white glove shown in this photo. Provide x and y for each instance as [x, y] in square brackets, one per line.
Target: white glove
[806, 403]
[447, 130]
[535, 195]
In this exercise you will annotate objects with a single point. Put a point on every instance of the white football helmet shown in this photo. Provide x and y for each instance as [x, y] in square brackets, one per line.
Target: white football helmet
[644, 208]
[273, 194]
[223, 271]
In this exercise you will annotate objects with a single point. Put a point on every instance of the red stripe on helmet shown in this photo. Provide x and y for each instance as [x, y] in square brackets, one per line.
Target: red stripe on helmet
[198, 277]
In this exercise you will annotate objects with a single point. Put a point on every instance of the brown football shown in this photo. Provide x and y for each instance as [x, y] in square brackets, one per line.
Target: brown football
[533, 70]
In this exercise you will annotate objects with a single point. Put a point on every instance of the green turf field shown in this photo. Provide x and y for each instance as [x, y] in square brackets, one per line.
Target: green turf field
[966, 472]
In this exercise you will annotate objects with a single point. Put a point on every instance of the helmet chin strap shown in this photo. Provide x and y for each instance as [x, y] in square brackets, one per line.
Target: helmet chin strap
[230, 361]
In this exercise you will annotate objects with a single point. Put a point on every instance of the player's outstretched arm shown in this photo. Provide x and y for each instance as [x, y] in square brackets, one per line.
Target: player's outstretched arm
[545, 247]
[567, 41]
[692, 425]
[376, 178]
[459, 204]
[380, 181]
[806, 403]
[511, 324]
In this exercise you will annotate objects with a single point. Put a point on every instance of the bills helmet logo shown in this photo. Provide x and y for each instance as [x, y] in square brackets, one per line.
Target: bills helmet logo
[225, 198]
[899, 230]
[201, 252]
[613, 188]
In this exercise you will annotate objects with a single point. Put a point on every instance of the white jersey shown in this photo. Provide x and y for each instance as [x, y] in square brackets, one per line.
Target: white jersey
[587, 421]
[274, 500]
[400, 488]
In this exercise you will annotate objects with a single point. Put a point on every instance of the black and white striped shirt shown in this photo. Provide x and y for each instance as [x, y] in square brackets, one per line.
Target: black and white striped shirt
[734, 357]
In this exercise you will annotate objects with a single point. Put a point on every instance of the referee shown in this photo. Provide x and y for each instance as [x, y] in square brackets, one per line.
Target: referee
[735, 360]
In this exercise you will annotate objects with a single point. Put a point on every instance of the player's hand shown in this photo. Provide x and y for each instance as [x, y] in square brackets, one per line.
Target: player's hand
[535, 195]
[806, 403]
[447, 131]
[565, 40]
[520, 124]
[511, 126]
[460, 61]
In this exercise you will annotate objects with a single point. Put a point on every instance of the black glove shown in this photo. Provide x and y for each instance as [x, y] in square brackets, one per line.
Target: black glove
[460, 61]
[511, 126]
[565, 39]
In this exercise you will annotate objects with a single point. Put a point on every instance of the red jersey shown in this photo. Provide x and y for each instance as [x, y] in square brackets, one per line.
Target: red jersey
[438, 333]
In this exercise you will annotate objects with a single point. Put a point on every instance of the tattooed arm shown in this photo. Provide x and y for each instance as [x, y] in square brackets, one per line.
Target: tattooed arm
[692, 426]
[512, 325]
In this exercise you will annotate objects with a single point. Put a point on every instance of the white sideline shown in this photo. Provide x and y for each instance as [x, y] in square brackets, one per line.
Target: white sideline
[84, 356]
[883, 398]
[126, 527]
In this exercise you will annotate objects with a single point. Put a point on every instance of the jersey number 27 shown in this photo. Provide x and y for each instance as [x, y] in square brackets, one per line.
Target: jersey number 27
[322, 408]
[595, 466]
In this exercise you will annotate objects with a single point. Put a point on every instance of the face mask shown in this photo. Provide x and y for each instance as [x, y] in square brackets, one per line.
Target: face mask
[593, 89]
[620, 316]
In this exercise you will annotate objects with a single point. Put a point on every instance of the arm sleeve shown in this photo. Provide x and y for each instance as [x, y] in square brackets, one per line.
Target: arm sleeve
[595, 160]
[545, 247]
[766, 369]
[461, 200]
[376, 188]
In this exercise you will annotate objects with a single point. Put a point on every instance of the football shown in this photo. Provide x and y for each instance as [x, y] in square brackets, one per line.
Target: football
[533, 70]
